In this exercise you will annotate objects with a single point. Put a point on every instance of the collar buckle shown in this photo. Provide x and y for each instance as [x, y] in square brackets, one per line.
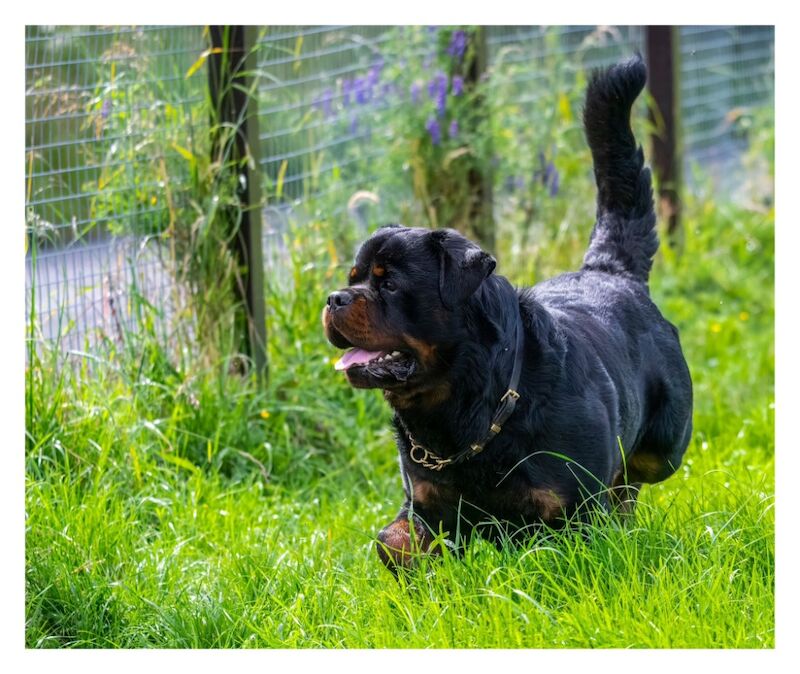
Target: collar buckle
[511, 393]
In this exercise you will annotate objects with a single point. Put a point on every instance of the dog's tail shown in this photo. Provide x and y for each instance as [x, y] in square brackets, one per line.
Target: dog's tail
[623, 239]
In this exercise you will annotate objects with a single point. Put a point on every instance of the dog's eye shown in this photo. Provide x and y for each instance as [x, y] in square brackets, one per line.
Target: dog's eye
[389, 285]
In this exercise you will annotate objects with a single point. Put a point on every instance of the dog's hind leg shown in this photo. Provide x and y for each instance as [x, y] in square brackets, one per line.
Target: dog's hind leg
[622, 495]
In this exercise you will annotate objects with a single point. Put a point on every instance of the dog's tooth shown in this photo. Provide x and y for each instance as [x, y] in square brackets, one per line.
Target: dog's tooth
[395, 353]
[388, 356]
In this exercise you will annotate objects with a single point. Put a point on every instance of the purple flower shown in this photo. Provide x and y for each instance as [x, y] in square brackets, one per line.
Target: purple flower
[441, 102]
[363, 90]
[347, 90]
[325, 102]
[437, 90]
[458, 44]
[453, 130]
[433, 128]
[353, 125]
[105, 111]
[458, 85]
[374, 74]
[415, 91]
[554, 182]
[548, 175]
[432, 88]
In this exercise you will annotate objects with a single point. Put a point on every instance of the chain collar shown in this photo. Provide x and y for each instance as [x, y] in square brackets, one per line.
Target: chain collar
[428, 459]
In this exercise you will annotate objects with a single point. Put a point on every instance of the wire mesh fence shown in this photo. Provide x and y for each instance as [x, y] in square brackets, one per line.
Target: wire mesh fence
[117, 119]
[109, 111]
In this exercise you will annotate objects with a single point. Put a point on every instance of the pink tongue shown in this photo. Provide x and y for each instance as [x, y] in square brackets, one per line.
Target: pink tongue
[356, 357]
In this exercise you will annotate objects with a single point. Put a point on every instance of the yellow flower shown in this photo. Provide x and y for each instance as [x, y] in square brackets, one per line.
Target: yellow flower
[716, 327]
[744, 316]
[264, 414]
[153, 200]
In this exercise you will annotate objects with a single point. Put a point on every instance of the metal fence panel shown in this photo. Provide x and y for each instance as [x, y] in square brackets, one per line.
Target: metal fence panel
[114, 116]
[110, 114]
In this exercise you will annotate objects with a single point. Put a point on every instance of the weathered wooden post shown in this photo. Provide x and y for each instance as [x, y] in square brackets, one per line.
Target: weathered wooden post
[232, 63]
[662, 81]
[480, 177]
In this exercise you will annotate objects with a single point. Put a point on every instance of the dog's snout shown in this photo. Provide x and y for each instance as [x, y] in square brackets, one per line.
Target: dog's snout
[340, 298]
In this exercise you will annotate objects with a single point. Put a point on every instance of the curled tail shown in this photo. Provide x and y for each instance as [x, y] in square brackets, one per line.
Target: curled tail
[624, 239]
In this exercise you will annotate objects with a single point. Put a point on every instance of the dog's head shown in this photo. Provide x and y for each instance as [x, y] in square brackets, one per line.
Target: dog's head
[402, 311]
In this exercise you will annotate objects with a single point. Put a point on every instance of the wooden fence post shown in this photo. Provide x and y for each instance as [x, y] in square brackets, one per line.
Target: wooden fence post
[662, 81]
[231, 65]
[480, 178]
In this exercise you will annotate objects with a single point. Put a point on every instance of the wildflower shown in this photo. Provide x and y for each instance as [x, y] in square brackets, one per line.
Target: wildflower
[453, 130]
[743, 316]
[325, 102]
[437, 90]
[458, 85]
[264, 414]
[105, 111]
[548, 175]
[433, 128]
[363, 90]
[347, 90]
[716, 328]
[374, 74]
[458, 44]
[554, 181]
[353, 124]
[441, 102]
[433, 85]
[415, 91]
[153, 200]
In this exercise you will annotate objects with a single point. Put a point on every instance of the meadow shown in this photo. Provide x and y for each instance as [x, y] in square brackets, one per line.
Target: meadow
[172, 506]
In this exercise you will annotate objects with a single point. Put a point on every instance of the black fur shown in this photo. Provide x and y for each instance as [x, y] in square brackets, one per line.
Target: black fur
[606, 396]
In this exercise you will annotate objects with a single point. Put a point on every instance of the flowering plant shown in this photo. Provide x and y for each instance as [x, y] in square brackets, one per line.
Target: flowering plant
[444, 137]
[419, 113]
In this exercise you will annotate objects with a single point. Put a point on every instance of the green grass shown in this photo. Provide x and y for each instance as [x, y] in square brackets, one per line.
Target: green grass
[184, 508]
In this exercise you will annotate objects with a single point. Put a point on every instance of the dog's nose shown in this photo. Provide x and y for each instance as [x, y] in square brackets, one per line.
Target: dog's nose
[340, 298]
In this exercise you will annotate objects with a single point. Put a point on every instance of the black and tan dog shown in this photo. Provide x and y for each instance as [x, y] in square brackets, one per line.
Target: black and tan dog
[519, 406]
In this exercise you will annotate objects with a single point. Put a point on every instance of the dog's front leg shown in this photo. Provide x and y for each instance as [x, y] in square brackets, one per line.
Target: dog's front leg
[401, 543]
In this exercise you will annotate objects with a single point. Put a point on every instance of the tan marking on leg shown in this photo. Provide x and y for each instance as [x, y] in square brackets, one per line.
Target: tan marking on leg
[646, 466]
[548, 502]
[397, 547]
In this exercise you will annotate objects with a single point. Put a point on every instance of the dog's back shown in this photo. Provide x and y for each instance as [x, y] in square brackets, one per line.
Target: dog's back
[605, 309]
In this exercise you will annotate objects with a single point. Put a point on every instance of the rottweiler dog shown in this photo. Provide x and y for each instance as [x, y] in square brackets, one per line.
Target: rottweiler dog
[517, 408]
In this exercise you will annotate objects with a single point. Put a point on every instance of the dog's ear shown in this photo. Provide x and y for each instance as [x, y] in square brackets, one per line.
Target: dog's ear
[463, 266]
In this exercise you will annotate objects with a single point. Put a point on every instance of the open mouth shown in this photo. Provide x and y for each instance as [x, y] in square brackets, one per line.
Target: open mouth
[376, 368]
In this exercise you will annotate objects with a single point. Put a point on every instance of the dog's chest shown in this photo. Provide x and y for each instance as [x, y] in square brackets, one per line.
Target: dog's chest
[513, 499]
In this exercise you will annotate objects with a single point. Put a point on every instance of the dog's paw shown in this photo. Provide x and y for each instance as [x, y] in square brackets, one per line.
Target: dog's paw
[400, 546]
